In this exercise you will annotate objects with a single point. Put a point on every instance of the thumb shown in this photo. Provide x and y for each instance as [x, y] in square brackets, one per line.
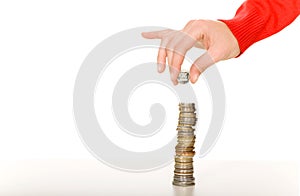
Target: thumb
[200, 65]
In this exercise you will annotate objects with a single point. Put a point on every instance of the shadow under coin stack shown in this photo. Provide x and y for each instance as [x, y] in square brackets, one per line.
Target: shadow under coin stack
[183, 173]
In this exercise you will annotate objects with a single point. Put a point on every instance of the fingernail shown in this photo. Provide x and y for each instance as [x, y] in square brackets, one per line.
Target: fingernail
[195, 78]
[173, 76]
[159, 67]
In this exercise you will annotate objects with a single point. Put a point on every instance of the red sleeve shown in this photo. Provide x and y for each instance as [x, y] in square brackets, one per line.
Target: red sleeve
[258, 19]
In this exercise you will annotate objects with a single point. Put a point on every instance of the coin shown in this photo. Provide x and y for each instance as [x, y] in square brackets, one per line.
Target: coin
[183, 77]
[185, 130]
[182, 167]
[188, 154]
[184, 164]
[185, 143]
[181, 138]
[184, 148]
[187, 115]
[179, 159]
[183, 178]
[188, 119]
[186, 104]
[184, 171]
[181, 105]
[193, 123]
[183, 184]
[185, 134]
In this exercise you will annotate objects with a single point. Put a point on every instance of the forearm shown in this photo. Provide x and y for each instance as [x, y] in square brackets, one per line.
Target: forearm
[258, 19]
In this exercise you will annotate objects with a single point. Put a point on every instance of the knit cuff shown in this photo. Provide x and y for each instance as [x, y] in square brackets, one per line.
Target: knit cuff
[246, 27]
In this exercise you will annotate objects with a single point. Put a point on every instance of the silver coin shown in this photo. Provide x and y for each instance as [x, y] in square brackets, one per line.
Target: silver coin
[183, 184]
[184, 167]
[183, 77]
[185, 130]
[188, 119]
[187, 122]
[178, 168]
[183, 176]
[184, 179]
[184, 170]
[186, 104]
[182, 135]
[186, 143]
[186, 138]
[188, 133]
[184, 127]
[185, 135]
[188, 115]
[187, 109]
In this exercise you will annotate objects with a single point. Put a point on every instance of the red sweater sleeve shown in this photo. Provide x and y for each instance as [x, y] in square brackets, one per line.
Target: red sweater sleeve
[258, 19]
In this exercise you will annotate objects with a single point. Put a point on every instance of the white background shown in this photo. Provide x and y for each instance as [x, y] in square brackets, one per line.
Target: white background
[42, 46]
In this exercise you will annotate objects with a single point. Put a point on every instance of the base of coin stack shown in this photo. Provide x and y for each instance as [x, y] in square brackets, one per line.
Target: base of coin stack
[184, 170]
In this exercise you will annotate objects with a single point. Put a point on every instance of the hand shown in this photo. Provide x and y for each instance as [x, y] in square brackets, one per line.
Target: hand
[213, 36]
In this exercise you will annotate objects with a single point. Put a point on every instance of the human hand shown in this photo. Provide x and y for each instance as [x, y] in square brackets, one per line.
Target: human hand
[213, 36]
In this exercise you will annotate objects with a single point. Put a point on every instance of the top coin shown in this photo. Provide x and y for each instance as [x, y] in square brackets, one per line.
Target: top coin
[186, 104]
[183, 77]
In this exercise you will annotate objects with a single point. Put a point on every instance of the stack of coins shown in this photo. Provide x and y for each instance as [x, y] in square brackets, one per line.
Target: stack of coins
[183, 173]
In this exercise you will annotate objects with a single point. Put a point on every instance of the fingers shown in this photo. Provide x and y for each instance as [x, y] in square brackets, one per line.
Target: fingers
[174, 72]
[177, 48]
[155, 34]
[175, 66]
[200, 65]
[174, 45]
[161, 60]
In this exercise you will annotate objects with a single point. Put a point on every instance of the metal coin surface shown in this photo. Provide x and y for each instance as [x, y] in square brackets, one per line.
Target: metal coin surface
[183, 184]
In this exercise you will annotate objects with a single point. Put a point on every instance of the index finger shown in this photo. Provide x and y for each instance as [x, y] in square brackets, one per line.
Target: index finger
[155, 34]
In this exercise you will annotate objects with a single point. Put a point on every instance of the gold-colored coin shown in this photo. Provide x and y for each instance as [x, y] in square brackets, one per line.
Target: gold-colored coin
[188, 154]
[183, 159]
[183, 171]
